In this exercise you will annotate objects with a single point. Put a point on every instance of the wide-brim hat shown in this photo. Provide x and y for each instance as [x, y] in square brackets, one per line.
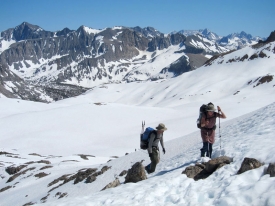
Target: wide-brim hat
[161, 127]
[211, 108]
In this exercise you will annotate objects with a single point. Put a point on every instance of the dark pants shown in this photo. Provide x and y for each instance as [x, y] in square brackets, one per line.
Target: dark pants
[207, 147]
[154, 161]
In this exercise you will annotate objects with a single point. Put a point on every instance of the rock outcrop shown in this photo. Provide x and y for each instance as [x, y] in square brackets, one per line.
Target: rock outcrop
[249, 164]
[204, 170]
[136, 173]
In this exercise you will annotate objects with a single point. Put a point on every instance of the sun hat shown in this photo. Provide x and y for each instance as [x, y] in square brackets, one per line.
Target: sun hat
[211, 108]
[161, 127]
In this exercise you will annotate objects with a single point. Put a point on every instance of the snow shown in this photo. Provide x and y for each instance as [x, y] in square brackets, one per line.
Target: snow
[105, 122]
[5, 44]
[91, 30]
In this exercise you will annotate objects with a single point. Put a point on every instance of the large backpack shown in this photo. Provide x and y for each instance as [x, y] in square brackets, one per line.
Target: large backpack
[203, 110]
[144, 138]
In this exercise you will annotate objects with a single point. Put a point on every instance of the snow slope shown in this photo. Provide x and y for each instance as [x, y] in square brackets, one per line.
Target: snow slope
[105, 124]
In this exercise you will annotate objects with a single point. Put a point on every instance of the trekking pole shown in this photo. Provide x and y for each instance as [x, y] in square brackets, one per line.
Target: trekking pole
[220, 133]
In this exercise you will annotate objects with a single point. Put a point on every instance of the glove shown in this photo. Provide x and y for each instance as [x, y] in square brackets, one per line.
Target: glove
[163, 150]
[150, 154]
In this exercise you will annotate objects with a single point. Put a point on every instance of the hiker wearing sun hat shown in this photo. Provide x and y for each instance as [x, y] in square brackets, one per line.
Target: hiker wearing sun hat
[153, 148]
[208, 126]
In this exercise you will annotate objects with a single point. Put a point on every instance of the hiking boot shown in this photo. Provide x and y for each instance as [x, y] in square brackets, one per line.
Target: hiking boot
[147, 168]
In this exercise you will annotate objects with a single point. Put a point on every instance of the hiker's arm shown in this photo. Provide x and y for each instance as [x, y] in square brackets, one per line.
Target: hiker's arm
[203, 121]
[222, 115]
[150, 144]
[161, 142]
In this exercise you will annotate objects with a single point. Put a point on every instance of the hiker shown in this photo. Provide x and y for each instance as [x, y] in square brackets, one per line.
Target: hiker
[208, 126]
[153, 149]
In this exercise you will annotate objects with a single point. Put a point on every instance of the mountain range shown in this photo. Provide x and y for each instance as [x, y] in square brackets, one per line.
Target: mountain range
[69, 151]
[48, 66]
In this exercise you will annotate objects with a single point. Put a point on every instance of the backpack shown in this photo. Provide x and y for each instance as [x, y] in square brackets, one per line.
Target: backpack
[144, 138]
[203, 110]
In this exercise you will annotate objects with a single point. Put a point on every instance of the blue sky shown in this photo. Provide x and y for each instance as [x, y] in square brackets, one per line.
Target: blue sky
[220, 16]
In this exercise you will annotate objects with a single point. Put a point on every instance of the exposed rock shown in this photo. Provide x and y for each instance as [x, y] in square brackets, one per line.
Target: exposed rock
[244, 57]
[254, 56]
[18, 174]
[85, 157]
[44, 162]
[124, 172]
[29, 203]
[34, 154]
[105, 168]
[204, 170]
[192, 171]
[61, 195]
[62, 178]
[40, 175]
[5, 188]
[41, 161]
[81, 175]
[216, 163]
[46, 167]
[249, 164]
[13, 170]
[113, 184]
[44, 199]
[271, 169]
[91, 178]
[265, 79]
[136, 173]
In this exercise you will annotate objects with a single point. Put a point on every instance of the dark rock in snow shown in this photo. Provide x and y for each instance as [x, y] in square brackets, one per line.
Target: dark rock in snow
[13, 170]
[81, 175]
[216, 163]
[41, 174]
[124, 172]
[5, 188]
[204, 170]
[18, 174]
[136, 173]
[113, 184]
[249, 164]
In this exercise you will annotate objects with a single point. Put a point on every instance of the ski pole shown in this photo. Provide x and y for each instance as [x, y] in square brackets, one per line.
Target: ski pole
[220, 131]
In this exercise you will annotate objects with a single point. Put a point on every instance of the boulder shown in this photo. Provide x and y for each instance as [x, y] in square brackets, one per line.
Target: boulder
[205, 169]
[192, 171]
[214, 164]
[249, 164]
[136, 173]
[271, 169]
[13, 170]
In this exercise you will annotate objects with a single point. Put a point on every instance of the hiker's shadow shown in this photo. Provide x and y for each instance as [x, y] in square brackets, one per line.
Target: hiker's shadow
[166, 171]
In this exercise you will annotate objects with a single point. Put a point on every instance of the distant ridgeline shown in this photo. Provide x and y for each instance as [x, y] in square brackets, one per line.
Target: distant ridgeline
[47, 66]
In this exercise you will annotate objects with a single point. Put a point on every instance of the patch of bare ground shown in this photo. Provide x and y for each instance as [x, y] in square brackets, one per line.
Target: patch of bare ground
[265, 79]
[46, 167]
[41, 174]
[85, 157]
[5, 188]
[18, 174]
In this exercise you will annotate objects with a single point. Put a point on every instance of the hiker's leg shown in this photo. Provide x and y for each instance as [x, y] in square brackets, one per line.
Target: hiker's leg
[207, 149]
[204, 149]
[154, 160]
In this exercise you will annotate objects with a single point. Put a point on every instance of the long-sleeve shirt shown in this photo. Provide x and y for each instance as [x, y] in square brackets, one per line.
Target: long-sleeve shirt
[153, 142]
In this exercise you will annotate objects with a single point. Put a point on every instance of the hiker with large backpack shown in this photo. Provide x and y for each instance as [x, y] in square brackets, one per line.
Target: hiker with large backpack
[150, 140]
[207, 124]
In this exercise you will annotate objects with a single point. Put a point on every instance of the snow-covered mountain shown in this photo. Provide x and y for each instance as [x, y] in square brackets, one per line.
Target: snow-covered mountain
[69, 60]
[232, 41]
[66, 152]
